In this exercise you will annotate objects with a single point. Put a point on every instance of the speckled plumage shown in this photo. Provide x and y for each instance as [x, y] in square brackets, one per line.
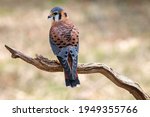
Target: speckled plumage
[64, 41]
[64, 33]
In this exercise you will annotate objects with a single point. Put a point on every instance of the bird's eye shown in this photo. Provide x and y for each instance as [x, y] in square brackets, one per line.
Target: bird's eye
[55, 13]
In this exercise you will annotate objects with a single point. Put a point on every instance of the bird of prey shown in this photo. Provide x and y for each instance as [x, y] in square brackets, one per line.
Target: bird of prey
[64, 41]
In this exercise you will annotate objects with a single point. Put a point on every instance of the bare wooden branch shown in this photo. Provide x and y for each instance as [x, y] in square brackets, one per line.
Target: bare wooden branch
[53, 66]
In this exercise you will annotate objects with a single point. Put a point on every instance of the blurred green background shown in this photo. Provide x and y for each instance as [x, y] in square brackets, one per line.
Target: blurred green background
[114, 32]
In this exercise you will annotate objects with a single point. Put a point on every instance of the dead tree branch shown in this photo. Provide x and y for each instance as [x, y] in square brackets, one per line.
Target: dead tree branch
[53, 66]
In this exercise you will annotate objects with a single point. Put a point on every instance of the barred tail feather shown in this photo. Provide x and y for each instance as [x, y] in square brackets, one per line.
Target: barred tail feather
[70, 81]
[70, 69]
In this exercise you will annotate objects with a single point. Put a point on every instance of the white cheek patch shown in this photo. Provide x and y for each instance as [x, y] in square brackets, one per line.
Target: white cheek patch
[56, 17]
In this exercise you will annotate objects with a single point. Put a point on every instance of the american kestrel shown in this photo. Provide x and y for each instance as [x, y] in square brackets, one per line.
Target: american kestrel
[64, 41]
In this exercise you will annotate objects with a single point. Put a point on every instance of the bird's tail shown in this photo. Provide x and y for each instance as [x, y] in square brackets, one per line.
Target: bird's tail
[71, 80]
[71, 76]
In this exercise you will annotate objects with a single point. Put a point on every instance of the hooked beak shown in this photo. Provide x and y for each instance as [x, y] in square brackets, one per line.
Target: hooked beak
[50, 16]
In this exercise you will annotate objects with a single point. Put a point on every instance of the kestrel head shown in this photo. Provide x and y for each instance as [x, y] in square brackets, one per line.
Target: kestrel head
[57, 13]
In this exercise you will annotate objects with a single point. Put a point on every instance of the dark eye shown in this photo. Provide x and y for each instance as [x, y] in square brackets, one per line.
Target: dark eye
[55, 13]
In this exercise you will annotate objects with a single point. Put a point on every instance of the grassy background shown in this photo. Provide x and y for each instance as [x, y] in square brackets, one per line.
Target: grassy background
[114, 32]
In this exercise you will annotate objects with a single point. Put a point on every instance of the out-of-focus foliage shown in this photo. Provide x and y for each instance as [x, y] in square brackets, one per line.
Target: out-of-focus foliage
[114, 32]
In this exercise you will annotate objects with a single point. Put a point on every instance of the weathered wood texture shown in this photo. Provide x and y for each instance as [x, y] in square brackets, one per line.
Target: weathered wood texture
[53, 66]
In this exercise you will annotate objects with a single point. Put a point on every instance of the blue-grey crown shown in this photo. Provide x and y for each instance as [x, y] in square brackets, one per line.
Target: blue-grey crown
[56, 9]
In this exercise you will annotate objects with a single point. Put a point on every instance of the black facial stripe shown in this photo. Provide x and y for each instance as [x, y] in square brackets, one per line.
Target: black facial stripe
[59, 16]
[54, 18]
[65, 14]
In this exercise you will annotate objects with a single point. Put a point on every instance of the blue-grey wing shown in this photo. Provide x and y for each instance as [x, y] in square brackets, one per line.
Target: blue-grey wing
[54, 47]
